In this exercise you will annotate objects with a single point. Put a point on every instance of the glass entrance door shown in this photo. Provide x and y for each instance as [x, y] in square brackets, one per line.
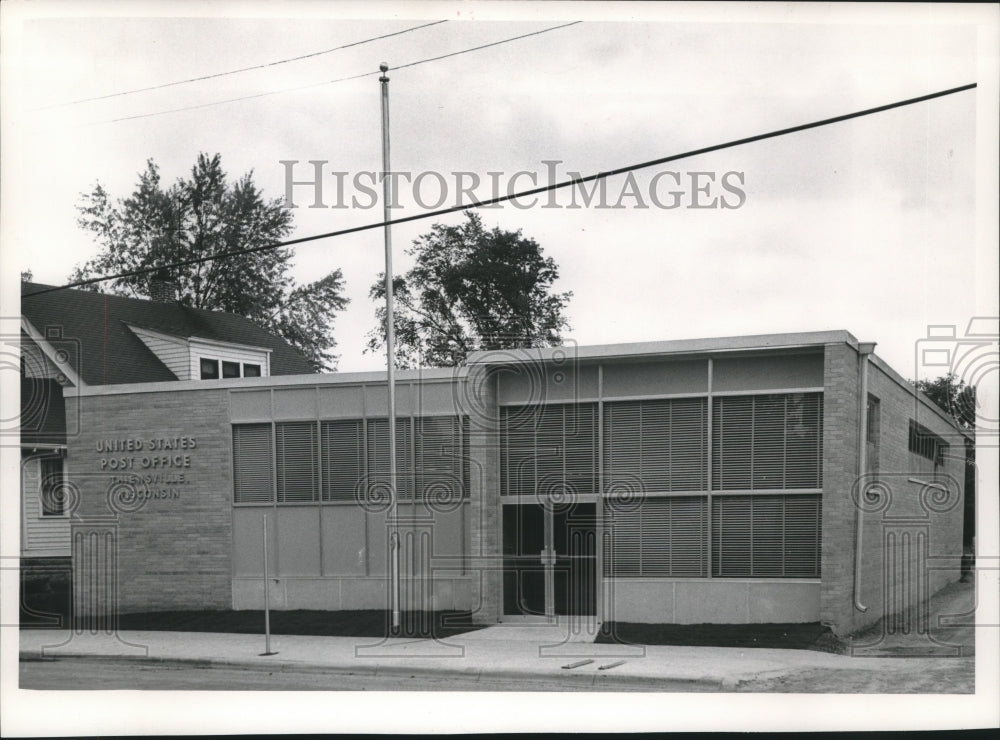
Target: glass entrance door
[549, 560]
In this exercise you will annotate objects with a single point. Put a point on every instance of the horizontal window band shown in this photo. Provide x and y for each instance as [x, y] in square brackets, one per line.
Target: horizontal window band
[749, 580]
[554, 402]
[340, 502]
[352, 577]
[664, 396]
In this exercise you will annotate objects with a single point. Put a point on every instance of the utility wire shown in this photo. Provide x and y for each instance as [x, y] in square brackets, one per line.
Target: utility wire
[330, 82]
[484, 46]
[237, 71]
[522, 194]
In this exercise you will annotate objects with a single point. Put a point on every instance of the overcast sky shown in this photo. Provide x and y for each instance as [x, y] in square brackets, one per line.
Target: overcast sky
[867, 225]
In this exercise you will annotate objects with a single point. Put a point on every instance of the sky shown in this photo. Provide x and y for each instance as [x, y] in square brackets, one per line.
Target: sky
[867, 225]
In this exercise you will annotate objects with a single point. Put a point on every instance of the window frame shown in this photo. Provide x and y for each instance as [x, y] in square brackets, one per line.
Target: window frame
[201, 368]
[362, 430]
[45, 484]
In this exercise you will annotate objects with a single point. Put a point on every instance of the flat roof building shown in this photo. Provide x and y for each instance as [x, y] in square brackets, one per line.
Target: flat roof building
[779, 478]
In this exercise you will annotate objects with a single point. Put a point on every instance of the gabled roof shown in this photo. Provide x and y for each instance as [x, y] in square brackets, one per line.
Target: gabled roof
[110, 353]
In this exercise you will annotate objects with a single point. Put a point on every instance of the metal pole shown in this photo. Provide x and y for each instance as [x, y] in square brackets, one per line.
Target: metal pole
[267, 606]
[390, 355]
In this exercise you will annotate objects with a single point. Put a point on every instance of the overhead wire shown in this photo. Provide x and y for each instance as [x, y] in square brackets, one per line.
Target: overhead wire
[329, 82]
[521, 194]
[238, 71]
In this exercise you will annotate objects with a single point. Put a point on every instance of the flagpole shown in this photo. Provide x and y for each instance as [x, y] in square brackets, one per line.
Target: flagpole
[390, 355]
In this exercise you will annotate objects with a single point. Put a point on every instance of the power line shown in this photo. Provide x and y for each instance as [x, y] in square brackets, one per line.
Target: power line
[330, 82]
[237, 71]
[484, 46]
[523, 193]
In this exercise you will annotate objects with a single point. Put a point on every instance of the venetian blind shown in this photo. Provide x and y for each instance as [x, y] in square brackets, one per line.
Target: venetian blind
[297, 455]
[657, 536]
[252, 469]
[342, 459]
[767, 442]
[656, 445]
[766, 536]
[549, 450]
[378, 456]
[438, 453]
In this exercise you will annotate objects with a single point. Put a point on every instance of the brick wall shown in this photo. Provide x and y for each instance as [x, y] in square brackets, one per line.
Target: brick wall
[840, 470]
[912, 545]
[484, 494]
[911, 536]
[174, 546]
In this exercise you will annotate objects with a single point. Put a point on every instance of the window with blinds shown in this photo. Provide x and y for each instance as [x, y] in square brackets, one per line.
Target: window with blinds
[661, 443]
[766, 536]
[767, 442]
[297, 456]
[253, 480]
[439, 456]
[342, 458]
[549, 450]
[378, 456]
[662, 536]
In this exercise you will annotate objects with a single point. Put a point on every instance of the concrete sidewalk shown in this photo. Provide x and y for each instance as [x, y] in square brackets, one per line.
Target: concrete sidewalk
[470, 657]
[541, 652]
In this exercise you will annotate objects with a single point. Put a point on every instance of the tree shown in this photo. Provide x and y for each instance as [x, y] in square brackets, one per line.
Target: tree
[471, 289]
[199, 216]
[953, 396]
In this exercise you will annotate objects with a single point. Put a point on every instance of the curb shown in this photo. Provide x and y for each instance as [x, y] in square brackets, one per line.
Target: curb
[473, 675]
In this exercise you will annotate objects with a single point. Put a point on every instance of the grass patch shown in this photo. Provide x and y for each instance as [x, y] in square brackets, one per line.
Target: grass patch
[809, 636]
[357, 623]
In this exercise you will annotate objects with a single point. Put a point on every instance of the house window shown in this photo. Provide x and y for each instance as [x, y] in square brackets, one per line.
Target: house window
[53, 495]
[209, 369]
[230, 369]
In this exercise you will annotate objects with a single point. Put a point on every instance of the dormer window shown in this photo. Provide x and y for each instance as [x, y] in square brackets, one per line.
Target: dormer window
[230, 369]
[209, 369]
[200, 358]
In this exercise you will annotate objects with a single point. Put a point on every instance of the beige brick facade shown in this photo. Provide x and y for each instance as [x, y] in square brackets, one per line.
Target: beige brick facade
[173, 546]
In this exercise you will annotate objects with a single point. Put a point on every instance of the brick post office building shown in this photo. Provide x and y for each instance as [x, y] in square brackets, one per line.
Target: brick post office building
[780, 478]
[81, 339]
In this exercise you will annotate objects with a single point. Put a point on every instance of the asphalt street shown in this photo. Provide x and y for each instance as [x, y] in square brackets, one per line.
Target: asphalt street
[85, 673]
[952, 676]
